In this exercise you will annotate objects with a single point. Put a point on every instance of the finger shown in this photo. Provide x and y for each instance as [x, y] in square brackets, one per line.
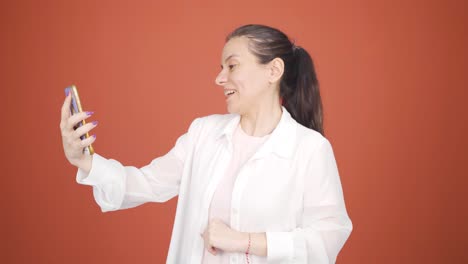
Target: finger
[87, 141]
[65, 112]
[84, 129]
[76, 118]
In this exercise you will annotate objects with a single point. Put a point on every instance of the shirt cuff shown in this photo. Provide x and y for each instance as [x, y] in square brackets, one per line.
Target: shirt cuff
[99, 173]
[280, 248]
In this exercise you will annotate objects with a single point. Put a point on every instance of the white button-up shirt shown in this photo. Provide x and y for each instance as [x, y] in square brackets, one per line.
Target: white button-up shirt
[290, 189]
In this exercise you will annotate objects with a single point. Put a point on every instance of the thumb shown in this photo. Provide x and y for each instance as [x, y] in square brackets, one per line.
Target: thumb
[212, 250]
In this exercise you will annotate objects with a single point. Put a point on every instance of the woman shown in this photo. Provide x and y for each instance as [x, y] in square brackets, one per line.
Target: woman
[257, 185]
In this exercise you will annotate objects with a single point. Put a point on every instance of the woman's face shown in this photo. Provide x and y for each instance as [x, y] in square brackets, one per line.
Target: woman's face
[242, 76]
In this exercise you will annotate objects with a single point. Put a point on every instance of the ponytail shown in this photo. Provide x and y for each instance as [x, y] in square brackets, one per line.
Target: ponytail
[300, 92]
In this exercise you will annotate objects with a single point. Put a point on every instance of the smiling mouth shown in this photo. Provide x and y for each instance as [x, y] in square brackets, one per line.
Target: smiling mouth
[229, 93]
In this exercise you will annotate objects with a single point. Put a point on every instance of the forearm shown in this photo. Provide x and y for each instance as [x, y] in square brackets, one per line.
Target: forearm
[258, 243]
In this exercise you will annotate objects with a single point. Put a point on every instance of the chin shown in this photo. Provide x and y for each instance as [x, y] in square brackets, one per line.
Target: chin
[232, 110]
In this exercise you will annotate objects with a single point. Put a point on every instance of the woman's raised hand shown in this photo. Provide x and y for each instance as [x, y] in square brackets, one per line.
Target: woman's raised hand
[73, 145]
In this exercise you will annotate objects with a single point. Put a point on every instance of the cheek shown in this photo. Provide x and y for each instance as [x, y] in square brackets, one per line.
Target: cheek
[248, 85]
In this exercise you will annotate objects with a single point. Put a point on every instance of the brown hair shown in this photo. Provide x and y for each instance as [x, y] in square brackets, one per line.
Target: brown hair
[299, 88]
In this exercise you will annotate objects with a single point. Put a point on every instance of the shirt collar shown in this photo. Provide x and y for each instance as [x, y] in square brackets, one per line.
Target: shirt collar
[281, 141]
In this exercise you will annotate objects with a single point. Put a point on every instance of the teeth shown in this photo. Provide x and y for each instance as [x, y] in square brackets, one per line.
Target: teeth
[229, 92]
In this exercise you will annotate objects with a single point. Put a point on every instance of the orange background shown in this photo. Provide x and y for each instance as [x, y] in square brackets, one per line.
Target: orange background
[393, 81]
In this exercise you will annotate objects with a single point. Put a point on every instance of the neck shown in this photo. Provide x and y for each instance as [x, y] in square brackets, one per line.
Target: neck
[262, 120]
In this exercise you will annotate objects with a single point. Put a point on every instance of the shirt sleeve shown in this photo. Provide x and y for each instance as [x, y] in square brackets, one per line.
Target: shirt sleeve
[325, 225]
[117, 187]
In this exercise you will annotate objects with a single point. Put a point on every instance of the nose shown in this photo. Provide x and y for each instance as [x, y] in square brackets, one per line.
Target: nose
[221, 78]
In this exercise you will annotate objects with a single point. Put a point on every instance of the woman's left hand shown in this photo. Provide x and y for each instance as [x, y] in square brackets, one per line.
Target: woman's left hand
[219, 236]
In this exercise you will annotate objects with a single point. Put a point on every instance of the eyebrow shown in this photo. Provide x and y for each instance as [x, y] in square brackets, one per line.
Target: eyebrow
[230, 56]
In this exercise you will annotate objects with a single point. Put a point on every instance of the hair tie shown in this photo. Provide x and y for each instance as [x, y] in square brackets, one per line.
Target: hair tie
[295, 48]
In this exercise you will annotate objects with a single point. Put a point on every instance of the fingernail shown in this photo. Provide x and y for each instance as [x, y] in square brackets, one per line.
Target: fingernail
[67, 93]
[89, 113]
[95, 122]
[94, 136]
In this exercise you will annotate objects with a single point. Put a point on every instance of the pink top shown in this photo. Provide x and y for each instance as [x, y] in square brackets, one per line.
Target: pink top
[244, 147]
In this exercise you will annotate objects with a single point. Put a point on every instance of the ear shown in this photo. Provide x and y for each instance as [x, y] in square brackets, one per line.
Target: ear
[276, 70]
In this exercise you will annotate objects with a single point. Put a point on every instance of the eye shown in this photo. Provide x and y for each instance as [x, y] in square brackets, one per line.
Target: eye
[231, 66]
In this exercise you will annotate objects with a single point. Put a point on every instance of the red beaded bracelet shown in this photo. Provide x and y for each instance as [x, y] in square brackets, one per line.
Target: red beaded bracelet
[247, 252]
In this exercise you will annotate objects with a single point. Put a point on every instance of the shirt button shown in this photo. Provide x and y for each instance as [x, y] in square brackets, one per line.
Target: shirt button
[234, 211]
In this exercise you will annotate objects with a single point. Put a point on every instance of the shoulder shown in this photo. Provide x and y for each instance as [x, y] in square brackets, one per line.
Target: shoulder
[209, 124]
[217, 120]
[310, 141]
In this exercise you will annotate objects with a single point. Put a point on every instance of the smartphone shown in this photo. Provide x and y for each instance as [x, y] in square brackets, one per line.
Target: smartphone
[76, 107]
